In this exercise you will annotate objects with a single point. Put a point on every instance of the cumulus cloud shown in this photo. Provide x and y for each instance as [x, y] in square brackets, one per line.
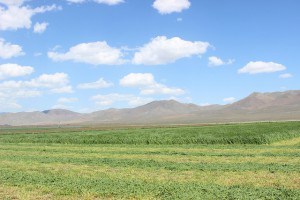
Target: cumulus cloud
[16, 89]
[13, 70]
[137, 80]
[12, 2]
[162, 50]
[55, 83]
[229, 100]
[12, 91]
[40, 27]
[147, 85]
[8, 50]
[287, 75]
[161, 89]
[95, 53]
[101, 83]
[261, 67]
[107, 2]
[215, 61]
[170, 6]
[110, 99]
[16, 16]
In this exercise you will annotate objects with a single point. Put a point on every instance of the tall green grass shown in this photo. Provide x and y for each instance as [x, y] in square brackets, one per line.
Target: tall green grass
[252, 133]
[63, 185]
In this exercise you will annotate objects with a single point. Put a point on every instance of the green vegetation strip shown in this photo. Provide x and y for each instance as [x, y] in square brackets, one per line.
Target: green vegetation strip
[140, 163]
[158, 157]
[253, 133]
[207, 150]
[254, 178]
[62, 185]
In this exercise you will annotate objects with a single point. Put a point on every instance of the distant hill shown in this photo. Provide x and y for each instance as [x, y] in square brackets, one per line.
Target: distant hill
[255, 107]
[46, 117]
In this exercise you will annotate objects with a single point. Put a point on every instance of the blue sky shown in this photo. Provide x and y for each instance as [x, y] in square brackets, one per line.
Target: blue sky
[88, 55]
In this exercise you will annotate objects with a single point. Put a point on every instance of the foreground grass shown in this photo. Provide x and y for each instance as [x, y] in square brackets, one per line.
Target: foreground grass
[35, 166]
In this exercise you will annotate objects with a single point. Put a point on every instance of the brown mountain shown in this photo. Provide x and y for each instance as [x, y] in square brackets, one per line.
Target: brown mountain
[255, 107]
[152, 112]
[258, 101]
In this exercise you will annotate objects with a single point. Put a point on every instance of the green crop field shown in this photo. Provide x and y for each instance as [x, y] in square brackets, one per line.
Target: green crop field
[230, 161]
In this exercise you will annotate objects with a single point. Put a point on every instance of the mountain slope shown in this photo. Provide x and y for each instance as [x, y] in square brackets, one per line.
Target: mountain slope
[264, 100]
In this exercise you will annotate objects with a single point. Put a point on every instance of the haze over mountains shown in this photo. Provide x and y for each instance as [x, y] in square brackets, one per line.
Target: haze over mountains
[255, 107]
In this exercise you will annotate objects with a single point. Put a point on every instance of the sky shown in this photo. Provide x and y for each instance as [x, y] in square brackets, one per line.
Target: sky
[88, 55]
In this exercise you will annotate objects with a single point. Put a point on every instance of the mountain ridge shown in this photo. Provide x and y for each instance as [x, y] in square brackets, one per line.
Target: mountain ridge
[255, 107]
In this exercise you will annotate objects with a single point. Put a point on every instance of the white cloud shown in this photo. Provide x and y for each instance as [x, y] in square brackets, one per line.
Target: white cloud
[76, 1]
[261, 67]
[16, 16]
[137, 80]
[161, 89]
[14, 70]
[12, 2]
[95, 53]
[170, 6]
[65, 100]
[179, 19]
[53, 82]
[229, 100]
[27, 93]
[287, 75]
[107, 2]
[215, 61]
[8, 50]
[56, 80]
[12, 91]
[101, 83]
[162, 50]
[147, 84]
[57, 83]
[110, 99]
[40, 27]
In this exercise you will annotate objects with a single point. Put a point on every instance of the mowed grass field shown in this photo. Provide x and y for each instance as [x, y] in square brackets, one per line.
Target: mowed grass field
[232, 161]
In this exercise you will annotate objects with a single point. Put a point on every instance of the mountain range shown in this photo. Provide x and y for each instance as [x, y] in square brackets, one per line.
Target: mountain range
[256, 107]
